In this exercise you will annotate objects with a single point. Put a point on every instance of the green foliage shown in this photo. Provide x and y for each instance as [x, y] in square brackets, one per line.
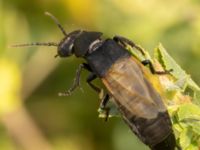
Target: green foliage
[188, 126]
[182, 79]
[184, 109]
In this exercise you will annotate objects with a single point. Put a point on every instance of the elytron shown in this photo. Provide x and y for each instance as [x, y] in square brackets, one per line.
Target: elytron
[140, 105]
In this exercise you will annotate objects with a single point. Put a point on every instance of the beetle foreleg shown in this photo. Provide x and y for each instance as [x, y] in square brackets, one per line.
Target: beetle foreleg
[125, 41]
[76, 82]
[152, 69]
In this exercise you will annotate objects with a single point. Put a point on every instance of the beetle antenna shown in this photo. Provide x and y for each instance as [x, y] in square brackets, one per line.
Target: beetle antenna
[57, 22]
[36, 44]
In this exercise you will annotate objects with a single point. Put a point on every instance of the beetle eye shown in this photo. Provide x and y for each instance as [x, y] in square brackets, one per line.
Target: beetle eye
[65, 48]
[64, 51]
[71, 47]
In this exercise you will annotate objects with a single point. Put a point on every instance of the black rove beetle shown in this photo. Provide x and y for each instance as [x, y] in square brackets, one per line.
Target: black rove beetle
[140, 105]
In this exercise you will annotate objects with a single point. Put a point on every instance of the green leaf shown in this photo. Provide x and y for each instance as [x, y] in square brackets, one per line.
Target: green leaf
[183, 80]
[185, 139]
[177, 129]
[193, 146]
[193, 85]
[189, 110]
[189, 114]
[168, 62]
[196, 97]
[137, 54]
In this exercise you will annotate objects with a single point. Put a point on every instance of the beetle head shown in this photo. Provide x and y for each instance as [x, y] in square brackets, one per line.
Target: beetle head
[66, 45]
[77, 42]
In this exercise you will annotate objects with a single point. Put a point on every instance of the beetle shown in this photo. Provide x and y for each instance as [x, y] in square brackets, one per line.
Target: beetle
[140, 105]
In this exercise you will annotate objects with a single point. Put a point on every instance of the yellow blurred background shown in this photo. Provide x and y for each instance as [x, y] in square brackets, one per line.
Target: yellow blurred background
[32, 116]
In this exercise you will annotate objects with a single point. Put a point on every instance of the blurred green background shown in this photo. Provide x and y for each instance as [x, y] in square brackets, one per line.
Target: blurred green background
[32, 116]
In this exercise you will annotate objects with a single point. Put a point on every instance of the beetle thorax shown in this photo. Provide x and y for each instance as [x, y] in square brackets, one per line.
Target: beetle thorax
[94, 45]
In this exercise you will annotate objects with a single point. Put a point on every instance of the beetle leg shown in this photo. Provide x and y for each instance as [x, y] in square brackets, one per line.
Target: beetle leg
[76, 82]
[104, 100]
[90, 78]
[152, 69]
[87, 67]
[124, 41]
[103, 103]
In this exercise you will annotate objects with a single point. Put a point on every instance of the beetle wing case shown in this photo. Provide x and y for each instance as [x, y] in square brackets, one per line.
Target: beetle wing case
[140, 105]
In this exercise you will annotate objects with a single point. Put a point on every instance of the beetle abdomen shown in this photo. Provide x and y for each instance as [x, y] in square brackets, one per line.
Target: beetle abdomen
[167, 144]
[157, 132]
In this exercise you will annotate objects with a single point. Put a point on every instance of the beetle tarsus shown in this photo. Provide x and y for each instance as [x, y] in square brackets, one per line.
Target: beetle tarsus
[107, 110]
[152, 69]
[76, 82]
